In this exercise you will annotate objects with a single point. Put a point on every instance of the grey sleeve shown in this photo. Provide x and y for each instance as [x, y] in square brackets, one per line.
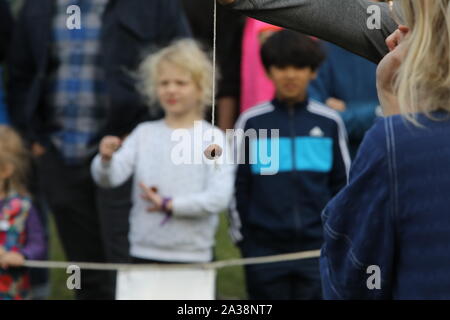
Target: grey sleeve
[343, 22]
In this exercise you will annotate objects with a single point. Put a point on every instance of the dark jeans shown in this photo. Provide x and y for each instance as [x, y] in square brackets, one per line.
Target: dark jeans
[86, 235]
[290, 280]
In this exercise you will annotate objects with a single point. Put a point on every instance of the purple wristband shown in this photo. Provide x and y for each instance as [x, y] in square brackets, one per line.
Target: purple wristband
[166, 210]
[164, 205]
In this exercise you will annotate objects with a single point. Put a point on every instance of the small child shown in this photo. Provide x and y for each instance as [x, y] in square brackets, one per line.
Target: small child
[176, 200]
[280, 213]
[21, 233]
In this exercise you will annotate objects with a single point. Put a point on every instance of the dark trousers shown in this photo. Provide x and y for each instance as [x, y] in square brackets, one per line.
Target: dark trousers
[150, 261]
[86, 235]
[39, 278]
[290, 280]
[114, 206]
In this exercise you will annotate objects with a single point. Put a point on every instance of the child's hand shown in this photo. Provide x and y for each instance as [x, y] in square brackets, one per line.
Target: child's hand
[11, 259]
[150, 195]
[108, 146]
[2, 251]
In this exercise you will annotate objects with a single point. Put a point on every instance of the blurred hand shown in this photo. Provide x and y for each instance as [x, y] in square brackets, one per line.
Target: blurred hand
[264, 35]
[37, 150]
[151, 196]
[225, 2]
[108, 146]
[336, 104]
[2, 251]
[11, 259]
[394, 39]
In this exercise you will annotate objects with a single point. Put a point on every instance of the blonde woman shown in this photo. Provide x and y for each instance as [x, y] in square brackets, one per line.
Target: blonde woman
[176, 199]
[387, 234]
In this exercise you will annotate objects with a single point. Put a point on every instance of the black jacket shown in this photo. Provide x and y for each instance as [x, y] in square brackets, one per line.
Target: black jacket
[230, 26]
[130, 28]
[6, 24]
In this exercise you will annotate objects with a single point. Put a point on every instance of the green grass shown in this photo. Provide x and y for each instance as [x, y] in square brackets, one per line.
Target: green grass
[230, 281]
[58, 277]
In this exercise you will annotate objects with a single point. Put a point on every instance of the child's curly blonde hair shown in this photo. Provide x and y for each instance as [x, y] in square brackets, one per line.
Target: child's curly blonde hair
[185, 54]
[13, 152]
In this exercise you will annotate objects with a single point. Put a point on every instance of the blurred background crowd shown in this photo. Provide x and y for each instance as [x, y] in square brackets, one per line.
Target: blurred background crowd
[63, 90]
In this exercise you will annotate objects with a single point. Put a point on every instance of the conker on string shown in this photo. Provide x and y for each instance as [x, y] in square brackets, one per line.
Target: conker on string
[213, 152]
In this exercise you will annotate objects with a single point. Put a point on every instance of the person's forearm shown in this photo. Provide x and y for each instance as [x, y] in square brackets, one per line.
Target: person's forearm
[110, 174]
[343, 22]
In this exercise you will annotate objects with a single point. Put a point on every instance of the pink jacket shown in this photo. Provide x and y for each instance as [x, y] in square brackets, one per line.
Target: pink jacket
[255, 85]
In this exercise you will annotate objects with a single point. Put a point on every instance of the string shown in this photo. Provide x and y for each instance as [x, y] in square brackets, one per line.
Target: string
[213, 118]
[213, 115]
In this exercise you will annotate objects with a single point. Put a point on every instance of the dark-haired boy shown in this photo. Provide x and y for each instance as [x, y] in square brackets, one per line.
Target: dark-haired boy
[279, 213]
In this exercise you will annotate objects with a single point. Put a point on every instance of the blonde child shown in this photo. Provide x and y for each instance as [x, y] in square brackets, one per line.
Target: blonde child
[21, 234]
[176, 200]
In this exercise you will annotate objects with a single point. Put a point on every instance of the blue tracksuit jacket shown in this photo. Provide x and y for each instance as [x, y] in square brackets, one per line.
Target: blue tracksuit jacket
[3, 113]
[311, 167]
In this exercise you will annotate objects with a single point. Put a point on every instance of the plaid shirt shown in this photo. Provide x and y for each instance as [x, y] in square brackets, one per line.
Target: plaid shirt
[76, 95]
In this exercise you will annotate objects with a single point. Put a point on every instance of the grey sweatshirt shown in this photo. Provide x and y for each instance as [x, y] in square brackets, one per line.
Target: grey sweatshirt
[153, 153]
[343, 22]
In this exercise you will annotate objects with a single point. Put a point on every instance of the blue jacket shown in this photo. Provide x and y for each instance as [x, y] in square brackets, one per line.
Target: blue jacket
[6, 27]
[350, 78]
[3, 113]
[130, 29]
[311, 168]
[394, 214]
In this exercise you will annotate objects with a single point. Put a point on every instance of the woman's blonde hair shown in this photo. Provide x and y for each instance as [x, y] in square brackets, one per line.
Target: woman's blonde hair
[423, 81]
[13, 152]
[185, 54]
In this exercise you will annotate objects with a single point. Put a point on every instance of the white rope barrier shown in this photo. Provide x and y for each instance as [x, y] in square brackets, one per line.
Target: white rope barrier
[212, 265]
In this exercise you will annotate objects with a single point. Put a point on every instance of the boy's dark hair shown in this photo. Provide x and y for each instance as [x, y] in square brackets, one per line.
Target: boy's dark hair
[288, 48]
